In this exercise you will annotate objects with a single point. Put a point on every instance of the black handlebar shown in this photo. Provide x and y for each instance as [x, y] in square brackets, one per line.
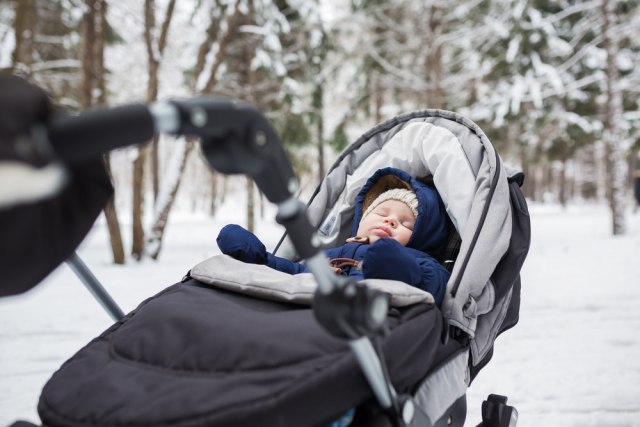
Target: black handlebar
[238, 139]
[235, 138]
[89, 135]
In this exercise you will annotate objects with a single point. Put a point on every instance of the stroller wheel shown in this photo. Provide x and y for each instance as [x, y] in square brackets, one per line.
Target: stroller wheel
[496, 412]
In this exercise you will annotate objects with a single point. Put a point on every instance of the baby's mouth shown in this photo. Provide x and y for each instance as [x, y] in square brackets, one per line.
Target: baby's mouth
[382, 232]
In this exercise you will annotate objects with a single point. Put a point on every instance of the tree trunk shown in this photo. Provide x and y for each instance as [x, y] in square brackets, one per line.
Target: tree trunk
[612, 134]
[528, 189]
[155, 166]
[137, 200]
[250, 204]
[320, 136]
[225, 187]
[113, 225]
[155, 49]
[378, 98]
[251, 79]
[98, 53]
[233, 23]
[153, 85]
[92, 82]
[23, 27]
[562, 182]
[587, 181]
[88, 64]
[110, 212]
[213, 179]
[434, 95]
[548, 183]
[167, 196]
[169, 189]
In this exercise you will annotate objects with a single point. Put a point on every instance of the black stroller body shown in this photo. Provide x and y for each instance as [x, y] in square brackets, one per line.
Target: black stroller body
[238, 345]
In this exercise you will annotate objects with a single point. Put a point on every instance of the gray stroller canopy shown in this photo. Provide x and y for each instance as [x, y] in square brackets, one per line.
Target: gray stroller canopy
[473, 183]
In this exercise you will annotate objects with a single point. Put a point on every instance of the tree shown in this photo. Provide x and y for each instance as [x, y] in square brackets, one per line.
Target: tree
[24, 26]
[49, 49]
[169, 188]
[46, 48]
[557, 64]
[252, 51]
[7, 39]
[598, 74]
[416, 55]
[320, 75]
[93, 93]
[155, 47]
[613, 135]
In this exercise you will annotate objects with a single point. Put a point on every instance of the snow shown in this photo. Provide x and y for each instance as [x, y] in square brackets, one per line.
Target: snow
[512, 50]
[573, 360]
[7, 45]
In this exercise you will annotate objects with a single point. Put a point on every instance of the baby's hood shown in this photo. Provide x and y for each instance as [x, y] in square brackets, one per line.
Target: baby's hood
[430, 230]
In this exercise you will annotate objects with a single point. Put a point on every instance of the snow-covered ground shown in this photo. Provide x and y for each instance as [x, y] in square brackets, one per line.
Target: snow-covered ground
[573, 360]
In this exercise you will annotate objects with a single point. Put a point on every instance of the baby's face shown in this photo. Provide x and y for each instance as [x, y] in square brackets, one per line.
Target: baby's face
[390, 219]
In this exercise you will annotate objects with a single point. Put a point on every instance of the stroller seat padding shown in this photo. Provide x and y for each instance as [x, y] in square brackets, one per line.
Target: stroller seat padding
[266, 283]
[200, 356]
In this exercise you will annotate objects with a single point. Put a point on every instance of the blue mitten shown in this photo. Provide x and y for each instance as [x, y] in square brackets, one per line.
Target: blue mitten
[388, 259]
[241, 244]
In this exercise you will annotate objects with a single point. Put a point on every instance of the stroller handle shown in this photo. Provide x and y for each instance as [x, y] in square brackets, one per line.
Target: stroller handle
[76, 139]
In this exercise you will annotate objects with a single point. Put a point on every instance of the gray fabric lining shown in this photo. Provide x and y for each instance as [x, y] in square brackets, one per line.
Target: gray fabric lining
[260, 281]
[444, 386]
[488, 326]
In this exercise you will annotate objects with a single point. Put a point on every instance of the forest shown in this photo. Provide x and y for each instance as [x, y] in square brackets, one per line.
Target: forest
[554, 85]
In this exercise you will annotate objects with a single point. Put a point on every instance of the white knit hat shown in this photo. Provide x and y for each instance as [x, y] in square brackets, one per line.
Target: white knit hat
[407, 197]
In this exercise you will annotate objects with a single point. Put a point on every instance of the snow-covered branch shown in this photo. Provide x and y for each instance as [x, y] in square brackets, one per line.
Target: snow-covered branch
[52, 65]
[573, 9]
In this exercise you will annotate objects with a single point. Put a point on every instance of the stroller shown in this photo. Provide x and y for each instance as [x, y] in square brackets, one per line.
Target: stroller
[243, 345]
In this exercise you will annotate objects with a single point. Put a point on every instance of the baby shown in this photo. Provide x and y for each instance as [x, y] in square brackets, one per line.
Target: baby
[399, 227]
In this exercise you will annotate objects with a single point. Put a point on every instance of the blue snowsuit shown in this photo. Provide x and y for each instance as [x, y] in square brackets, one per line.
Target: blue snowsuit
[384, 259]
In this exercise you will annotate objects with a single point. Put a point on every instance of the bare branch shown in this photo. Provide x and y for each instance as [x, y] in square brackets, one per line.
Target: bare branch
[232, 28]
[149, 24]
[165, 26]
[577, 8]
[203, 50]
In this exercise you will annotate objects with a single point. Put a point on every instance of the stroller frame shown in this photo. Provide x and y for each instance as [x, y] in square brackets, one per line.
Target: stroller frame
[238, 139]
